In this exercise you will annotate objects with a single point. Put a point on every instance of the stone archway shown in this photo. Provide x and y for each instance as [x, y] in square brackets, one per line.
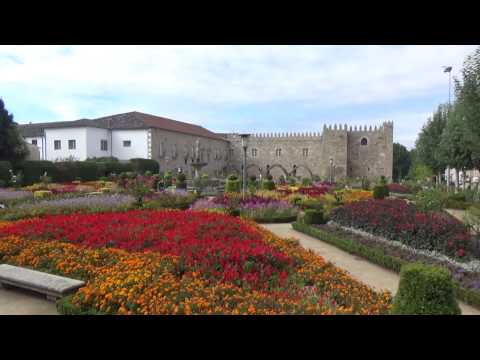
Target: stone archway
[306, 168]
[277, 166]
[255, 166]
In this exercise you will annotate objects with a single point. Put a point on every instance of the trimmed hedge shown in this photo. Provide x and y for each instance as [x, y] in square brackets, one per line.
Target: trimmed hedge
[425, 290]
[380, 192]
[469, 296]
[73, 170]
[32, 170]
[268, 185]
[5, 168]
[313, 217]
[142, 165]
[232, 186]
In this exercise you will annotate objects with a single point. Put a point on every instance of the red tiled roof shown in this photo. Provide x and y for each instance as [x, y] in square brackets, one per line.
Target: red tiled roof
[130, 120]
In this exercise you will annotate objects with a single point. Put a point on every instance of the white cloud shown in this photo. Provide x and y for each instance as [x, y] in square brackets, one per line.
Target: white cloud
[329, 77]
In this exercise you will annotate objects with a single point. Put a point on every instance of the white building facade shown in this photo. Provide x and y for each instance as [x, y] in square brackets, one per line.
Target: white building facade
[126, 136]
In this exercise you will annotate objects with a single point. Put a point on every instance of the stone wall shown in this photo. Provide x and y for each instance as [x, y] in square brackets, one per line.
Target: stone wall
[376, 157]
[311, 152]
[175, 150]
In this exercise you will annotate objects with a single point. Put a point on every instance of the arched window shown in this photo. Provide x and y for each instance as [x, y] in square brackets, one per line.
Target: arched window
[364, 141]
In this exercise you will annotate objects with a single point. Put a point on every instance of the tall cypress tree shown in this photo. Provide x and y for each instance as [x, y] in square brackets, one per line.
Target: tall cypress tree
[12, 146]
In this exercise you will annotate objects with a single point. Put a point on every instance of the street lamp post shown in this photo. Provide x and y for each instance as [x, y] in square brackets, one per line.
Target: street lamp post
[244, 167]
[448, 69]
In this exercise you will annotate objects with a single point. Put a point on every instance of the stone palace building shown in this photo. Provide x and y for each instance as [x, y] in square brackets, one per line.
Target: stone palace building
[338, 151]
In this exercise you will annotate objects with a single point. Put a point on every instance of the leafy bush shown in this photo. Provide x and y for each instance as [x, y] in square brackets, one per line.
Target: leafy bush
[32, 170]
[165, 200]
[430, 200]
[142, 165]
[380, 191]
[232, 184]
[311, 204]
[181, 181]
[425, 290]
[306, 182]
[365, 184]
[398, 220]
[313, 217]
[268, 185]
[5, 168]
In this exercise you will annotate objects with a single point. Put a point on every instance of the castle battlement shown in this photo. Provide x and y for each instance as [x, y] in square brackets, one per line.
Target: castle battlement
[289, 135]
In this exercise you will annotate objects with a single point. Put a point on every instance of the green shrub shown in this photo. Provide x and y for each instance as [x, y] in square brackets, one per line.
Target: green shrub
[456, 204]
[232, 185]
[5, 168]
[268, 185]
[430, 200]
[365, 184]
[106, 168]
[425, 290]
[311, 204]
[380, 192]
[306, 182]
[141, 165]
[181, 181]
[32, 170]
[313, 217]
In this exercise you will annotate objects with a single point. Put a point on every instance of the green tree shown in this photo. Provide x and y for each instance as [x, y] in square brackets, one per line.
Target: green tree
[452, 149]
[401, 162]
[468, 98]
[12, 147]
[429, 139]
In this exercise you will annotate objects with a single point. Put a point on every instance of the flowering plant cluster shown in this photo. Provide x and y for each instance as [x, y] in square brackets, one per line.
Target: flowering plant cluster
[184, 263]
[11, 194]
[396, 219]
[89, 203]
[350, 195]
[398, 189]
[252, 207]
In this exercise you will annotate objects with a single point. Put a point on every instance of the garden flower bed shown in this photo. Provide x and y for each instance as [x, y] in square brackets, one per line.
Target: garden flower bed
[92, 203]
[398, 220]
[398, 189]
[173, 262]
[7, 195]
[260, 209]
[393, 255]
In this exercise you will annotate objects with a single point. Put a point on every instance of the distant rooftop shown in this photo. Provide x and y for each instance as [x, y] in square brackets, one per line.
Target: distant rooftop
[127, 121]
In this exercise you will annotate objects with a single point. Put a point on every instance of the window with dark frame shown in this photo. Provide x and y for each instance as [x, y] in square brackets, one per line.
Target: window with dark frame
[57, 144]
[103, 145]
[127, 143]
[278, 152]
[72, 145]
[305, 152]
[34, 142]
[364, 141]
[254, 152]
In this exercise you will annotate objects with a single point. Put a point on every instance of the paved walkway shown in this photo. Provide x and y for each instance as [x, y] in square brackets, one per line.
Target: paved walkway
[22, 302]
[361, 269]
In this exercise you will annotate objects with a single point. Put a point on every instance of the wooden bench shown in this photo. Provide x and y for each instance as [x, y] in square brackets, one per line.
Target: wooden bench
[53, 286]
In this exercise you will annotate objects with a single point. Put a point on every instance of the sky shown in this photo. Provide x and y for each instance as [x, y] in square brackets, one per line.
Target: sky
[233, 88]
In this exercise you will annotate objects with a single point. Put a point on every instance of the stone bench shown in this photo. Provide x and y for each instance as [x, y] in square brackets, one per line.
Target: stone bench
[53, 286]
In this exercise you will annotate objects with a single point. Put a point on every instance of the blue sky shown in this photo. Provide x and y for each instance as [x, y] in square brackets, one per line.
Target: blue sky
[233, 88]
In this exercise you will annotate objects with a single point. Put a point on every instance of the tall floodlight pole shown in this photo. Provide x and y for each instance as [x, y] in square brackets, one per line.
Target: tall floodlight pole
[244, 167]
[448, 69]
